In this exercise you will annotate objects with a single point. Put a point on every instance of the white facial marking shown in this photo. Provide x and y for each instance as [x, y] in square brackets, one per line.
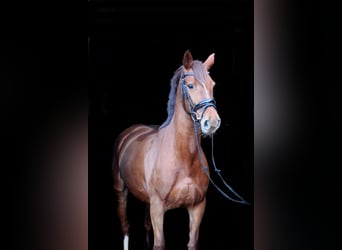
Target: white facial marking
[126, 242]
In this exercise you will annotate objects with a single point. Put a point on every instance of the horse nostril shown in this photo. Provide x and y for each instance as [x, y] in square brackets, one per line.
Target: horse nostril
[206, 124]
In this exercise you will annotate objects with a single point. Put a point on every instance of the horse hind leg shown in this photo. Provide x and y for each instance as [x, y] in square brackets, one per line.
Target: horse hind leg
[122, 213]
[121, 193]
[148, 226]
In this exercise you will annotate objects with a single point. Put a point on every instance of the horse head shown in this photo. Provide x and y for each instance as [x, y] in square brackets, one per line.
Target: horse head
[197, 89]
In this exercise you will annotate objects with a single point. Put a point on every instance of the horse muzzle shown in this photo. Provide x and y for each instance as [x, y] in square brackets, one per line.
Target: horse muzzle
[209, 125]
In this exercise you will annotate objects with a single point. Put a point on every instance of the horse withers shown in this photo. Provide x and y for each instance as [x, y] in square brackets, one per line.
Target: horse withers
[161, 165]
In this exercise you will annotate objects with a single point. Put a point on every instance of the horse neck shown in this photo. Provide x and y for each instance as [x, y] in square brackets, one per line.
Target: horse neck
[182, 129]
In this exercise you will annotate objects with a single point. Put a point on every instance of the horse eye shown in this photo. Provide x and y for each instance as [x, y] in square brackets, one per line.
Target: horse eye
[190, 86]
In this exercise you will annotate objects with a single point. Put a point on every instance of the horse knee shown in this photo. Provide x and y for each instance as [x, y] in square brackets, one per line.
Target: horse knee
[158, 248]
[192, 247]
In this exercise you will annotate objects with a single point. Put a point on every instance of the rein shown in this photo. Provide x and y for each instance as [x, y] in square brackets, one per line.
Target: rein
[204, 104]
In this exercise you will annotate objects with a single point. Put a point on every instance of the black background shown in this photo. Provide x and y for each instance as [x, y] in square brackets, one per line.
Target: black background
[134, 51]
[43, 54]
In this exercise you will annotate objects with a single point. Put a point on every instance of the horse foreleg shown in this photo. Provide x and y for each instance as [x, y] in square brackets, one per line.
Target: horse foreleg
[157, 217]
[195, 217]
[147, 226]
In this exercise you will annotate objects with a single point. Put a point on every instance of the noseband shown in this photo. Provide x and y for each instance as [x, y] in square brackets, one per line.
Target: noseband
[204, 104]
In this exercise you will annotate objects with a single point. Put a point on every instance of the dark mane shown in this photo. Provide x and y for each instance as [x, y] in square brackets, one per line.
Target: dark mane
[172, 96]
[200, 75]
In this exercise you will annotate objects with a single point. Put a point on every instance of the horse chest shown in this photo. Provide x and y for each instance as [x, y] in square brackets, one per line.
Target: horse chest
[186, 192]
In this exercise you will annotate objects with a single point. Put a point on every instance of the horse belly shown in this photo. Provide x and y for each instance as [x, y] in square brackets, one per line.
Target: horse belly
[131, 170]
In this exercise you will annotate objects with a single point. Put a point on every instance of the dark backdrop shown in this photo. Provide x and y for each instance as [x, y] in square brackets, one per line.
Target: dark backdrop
[134, 50]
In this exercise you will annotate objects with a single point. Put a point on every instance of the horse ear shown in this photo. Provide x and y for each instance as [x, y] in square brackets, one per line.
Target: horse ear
[187, 60]
[210, 61]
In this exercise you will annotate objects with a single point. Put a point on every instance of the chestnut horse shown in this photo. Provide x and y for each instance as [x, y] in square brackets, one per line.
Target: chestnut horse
[161, 165]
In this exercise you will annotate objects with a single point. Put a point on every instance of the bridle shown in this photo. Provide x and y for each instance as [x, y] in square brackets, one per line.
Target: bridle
[193, 108]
